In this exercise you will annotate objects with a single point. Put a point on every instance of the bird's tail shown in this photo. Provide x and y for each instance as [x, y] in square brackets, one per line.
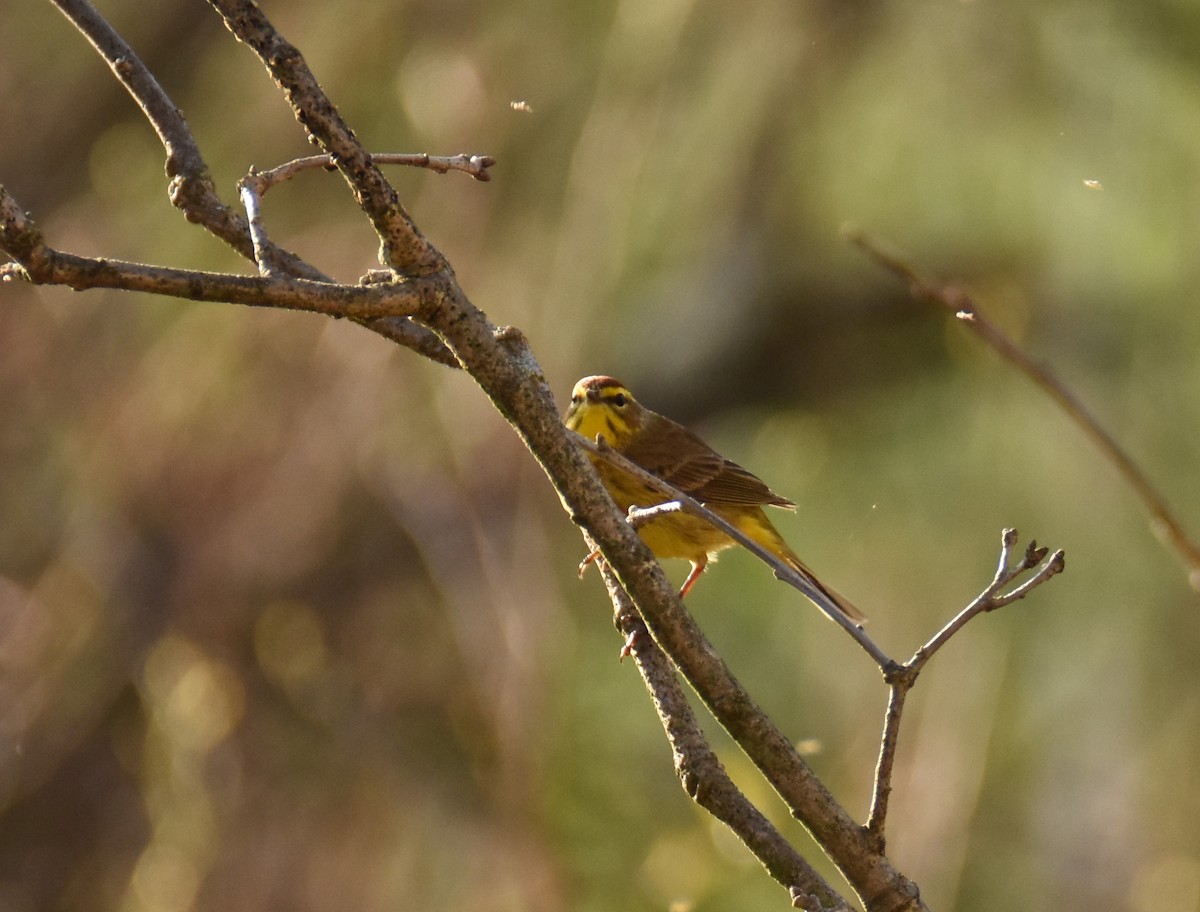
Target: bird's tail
[759, 528]
[836, 599]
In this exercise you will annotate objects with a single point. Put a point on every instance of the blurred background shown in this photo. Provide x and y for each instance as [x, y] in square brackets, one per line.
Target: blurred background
[290, 619]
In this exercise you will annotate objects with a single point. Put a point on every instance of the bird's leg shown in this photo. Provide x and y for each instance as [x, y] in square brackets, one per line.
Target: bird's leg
[593, 556]
[697, 569]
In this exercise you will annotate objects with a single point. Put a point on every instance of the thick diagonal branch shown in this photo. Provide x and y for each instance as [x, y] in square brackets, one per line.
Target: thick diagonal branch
[704, 777]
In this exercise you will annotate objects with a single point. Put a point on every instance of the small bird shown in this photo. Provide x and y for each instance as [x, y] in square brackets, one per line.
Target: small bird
[603, 407]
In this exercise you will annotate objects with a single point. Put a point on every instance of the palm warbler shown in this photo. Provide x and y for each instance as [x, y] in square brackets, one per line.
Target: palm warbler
[603, 407]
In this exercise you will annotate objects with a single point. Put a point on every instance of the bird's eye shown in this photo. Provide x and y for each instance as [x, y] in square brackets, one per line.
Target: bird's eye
[619, 400]
[577, 398]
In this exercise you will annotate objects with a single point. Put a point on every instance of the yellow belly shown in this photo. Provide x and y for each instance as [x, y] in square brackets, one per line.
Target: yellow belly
[682, 535]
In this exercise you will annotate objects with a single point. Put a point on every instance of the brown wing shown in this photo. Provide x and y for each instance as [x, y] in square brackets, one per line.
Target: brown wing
[682, 459]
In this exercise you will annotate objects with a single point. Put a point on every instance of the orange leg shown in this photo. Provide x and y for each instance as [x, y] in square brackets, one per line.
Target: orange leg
[697, 569]
[588, 561]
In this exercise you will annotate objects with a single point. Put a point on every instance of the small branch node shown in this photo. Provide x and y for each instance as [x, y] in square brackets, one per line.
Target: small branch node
[896, 674]
[640, 516]
[509, 334]
[1034, 554]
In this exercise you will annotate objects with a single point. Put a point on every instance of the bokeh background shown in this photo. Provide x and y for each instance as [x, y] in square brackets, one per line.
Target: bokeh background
[288, 617]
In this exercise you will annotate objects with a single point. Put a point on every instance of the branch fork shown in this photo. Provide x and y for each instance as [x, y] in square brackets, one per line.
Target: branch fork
[900, 677]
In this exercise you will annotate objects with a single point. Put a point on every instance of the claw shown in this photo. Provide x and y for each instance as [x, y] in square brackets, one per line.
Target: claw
[632, 641]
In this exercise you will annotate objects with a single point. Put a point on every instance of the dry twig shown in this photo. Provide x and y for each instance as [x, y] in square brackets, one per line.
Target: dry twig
[477, 166]
[902, 677]
[958, 302]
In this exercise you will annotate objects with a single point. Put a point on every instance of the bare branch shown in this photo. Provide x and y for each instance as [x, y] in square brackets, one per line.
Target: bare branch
[993, 596]
[964, 308]
[882, 790]
[191, 189]
[403, 248]
[251, 195]
[701, 773]
[477, 166]
[39, 263]
[901, 678]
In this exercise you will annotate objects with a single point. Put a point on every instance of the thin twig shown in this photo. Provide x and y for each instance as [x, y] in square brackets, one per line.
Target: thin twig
[964, 308]
[477, 166]
[901, 678]
[882, 791]
[782, 571]
[993, 597]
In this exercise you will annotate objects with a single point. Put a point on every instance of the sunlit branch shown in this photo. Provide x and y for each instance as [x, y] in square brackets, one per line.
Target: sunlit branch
[901, 678]
[403, 247]
[701, 773]
[191, 185]
[477, 166]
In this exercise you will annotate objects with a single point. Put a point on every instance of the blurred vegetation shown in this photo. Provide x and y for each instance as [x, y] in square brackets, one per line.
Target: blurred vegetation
[288, 618]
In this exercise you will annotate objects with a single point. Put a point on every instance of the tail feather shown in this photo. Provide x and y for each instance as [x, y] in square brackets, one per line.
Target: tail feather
[839, 601]
[759, 528]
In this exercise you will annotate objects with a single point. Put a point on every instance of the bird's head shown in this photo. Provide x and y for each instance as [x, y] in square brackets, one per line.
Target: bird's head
[602, 406]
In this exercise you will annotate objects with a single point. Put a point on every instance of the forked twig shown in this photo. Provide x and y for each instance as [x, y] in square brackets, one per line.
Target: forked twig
[191, 190]
[956, 300]
[902, 677]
